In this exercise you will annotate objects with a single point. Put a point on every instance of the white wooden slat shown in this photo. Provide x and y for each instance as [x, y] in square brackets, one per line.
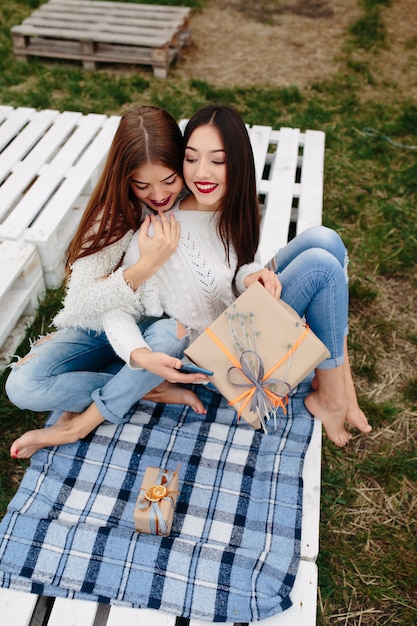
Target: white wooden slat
[14, 255]
[67, 612]
[25, 171]
[311, 193]
[91, 22]
[53, 252]
[311, 496]
[120, 17]
[260, 140]
[22, 305]
[56, 224]
[14, 122]
[152, 9]
[21, 284]
[25, 140]
[52, 142]
[52, 174]
[4, 112]
[16, 607]
[124, 616]
[109, 37]
[275, 223]
[76, 179]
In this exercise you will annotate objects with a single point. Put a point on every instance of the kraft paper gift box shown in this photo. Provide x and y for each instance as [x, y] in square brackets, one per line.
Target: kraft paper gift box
[156, 501]
[259, 349]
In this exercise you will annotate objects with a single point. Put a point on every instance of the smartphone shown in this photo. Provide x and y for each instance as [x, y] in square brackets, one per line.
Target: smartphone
[188, 368]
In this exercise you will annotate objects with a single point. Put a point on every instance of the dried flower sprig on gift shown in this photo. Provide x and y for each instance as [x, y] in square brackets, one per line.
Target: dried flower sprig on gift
[267, 394]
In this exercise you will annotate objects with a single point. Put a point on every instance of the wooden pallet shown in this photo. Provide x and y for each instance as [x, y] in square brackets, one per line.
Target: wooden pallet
[49, 162]
[22, 287]
[94, 32]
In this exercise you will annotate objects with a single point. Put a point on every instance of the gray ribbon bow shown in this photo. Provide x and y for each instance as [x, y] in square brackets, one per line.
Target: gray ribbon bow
[255, 379]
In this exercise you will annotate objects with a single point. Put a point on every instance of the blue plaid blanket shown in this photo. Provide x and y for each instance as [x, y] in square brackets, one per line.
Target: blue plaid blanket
[234, 548]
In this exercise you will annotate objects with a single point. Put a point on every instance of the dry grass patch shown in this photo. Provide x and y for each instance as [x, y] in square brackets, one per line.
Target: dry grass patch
[385, 330]
[293, 42]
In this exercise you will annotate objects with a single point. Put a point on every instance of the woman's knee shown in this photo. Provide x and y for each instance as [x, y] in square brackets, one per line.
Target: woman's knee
[330, 240]
[16, 389]
[167, 335]
[23, 383]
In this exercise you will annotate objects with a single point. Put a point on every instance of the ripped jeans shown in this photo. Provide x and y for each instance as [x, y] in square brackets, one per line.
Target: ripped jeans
[312, 269]
[71, 368]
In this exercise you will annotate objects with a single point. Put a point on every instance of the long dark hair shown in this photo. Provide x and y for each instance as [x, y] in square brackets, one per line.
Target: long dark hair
[146, 134]
[239, 214]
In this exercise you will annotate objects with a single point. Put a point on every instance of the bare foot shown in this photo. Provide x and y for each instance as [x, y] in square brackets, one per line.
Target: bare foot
[354, 415]
[170, 393]
[33, 440]
[69, 428]
[332, 416]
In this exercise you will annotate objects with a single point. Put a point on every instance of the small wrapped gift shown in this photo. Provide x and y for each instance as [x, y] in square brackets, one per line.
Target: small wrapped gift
[155, 505]
[259, 350]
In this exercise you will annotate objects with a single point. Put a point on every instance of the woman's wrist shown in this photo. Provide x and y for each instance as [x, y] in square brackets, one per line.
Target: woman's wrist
[137, 274]
[139, 356]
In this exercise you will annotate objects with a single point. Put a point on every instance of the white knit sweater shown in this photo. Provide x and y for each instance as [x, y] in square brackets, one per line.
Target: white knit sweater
[194, 286]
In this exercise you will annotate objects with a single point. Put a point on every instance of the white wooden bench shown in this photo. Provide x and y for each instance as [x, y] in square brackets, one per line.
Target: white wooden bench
[289, 167]
[104, 32]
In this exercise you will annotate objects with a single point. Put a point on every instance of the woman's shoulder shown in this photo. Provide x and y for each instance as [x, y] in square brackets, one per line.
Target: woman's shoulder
[108, 256]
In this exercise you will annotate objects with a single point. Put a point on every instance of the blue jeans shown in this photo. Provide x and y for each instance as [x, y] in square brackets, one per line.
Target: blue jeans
[70, 369]
[312, 269]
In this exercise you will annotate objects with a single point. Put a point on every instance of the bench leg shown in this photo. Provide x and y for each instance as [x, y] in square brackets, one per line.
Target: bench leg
[160, 72]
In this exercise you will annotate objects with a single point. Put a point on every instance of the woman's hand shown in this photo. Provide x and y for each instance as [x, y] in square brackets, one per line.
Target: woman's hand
[154, 250]
[164, 366]
[268, 279]
[165, 239]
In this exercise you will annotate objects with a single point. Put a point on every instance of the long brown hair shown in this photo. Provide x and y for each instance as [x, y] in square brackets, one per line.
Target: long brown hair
[146, 134]
[239, 214]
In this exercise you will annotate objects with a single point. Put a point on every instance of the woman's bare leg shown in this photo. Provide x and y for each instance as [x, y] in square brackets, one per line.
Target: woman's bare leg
[328, 403]
[354, 416]
[334, 402]
[71, 427]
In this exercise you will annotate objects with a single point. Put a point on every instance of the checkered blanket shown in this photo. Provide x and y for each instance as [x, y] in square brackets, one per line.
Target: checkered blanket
[233, 551]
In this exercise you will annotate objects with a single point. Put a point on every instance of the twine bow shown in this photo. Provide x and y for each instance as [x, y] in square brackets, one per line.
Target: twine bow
[151, 497]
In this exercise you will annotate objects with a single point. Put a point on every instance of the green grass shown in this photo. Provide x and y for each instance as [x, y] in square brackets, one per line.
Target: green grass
[368, 551]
